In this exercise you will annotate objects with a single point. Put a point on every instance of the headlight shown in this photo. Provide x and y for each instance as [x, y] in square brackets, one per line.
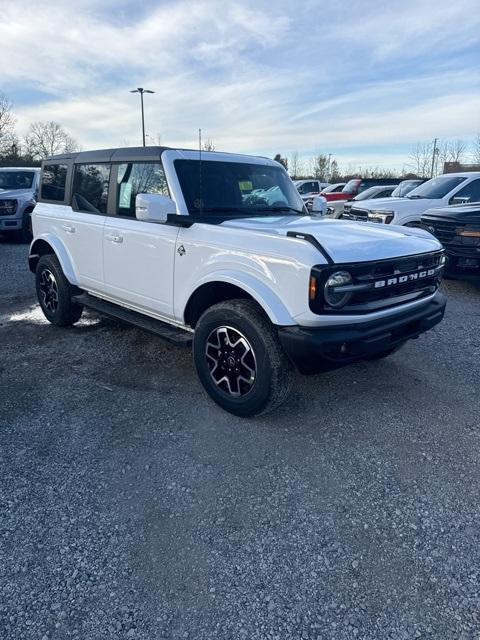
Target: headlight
[334, 295]
[470, 235]
[7, 207]
[384, 217]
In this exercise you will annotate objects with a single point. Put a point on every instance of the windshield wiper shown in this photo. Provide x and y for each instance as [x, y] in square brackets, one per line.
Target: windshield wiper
[414, 197]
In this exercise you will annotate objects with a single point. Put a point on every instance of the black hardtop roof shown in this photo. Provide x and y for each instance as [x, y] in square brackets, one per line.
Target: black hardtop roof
[127, 154]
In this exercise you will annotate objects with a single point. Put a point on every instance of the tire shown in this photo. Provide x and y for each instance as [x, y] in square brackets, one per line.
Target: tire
[54, 293]
[249, 373]
[25, 234]
[383, 354]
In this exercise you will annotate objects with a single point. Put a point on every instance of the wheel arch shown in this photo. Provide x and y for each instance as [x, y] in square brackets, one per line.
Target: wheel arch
[228, 287]
[48, 244]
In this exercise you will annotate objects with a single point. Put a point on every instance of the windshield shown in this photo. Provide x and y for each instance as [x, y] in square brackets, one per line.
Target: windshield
[436, 188]
[351, 186]
[236, 189]
[370, 193]
[405, 187]
[16, 180]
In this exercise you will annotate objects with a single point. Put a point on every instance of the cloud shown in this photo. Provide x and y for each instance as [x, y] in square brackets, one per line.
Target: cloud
[256, 76]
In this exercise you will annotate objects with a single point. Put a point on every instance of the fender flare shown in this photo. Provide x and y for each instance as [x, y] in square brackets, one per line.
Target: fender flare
[258, 290]
[61, 252]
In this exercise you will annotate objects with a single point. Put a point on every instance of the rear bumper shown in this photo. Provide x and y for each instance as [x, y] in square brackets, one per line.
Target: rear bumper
[313, 350]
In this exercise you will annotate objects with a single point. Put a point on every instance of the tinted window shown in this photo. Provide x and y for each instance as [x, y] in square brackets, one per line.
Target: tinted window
[54, 177]
[384, 193]
[470, 192]
[236, 188]
[135, 178]
[436, 188]
[16, 180]
[90, 187]
[405, 187]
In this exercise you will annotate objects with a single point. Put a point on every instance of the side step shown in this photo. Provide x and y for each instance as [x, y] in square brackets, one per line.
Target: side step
[173, 334]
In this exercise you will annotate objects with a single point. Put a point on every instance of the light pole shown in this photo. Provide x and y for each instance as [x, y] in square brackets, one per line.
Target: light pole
[141, 91]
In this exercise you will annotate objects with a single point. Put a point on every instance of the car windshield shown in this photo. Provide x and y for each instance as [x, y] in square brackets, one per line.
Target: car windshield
[436, 188]
[236, 189]
[368, 193]
[351, 186]
[405, 187]
[13, 180]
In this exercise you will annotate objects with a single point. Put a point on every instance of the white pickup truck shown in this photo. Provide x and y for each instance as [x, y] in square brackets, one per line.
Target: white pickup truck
[183, 244]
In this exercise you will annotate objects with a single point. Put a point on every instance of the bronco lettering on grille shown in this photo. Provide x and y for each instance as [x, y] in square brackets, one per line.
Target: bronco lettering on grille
[404, 279]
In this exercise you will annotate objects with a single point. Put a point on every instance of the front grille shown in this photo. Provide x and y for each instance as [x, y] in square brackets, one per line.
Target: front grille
[383, 284]
[444, 230]
[353, 213]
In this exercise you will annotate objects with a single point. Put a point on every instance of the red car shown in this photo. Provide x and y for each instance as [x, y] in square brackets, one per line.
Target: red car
[356, 186]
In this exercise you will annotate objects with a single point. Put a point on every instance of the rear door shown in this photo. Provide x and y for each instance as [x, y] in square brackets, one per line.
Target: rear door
[139, 256]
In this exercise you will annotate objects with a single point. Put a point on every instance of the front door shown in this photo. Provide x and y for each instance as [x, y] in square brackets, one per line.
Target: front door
[139, 256]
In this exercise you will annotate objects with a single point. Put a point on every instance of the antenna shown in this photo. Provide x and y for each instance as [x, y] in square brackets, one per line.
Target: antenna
[200, 170]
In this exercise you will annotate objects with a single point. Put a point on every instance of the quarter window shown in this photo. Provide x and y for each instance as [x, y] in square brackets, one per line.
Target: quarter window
[54, 177]
[90, 187]
[138, 177]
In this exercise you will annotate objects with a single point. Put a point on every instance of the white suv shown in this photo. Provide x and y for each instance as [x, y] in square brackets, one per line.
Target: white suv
[182, 243]
[451, 188]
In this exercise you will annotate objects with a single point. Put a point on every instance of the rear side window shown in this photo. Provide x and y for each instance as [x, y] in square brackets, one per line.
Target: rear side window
[54, 177]
[138, 177]
[90, 187]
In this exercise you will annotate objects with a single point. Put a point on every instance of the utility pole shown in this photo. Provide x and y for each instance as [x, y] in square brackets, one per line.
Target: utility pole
[434, 154]
[141, 91]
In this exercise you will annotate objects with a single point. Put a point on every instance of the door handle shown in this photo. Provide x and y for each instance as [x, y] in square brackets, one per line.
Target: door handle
[114, 238]
[68, 228]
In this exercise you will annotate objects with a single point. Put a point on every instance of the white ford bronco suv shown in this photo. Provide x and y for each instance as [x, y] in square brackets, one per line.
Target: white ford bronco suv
[218, 249]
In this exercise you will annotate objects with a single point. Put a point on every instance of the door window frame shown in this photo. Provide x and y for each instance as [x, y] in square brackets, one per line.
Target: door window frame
[68, 181]
[109, 208]
[113, 187]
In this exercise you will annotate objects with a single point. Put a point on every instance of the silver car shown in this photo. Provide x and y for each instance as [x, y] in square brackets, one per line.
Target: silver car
[18, 196]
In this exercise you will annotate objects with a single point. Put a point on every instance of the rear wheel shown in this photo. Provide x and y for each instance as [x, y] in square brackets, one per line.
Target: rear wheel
[54, 293]
[240, 360]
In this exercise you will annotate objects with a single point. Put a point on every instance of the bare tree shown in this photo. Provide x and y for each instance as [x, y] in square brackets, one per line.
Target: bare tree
[321, 167]
[208, 145]
[476, 149]
[46, 139]
[334, 171]
[452, 151]
[421, 158]
[296, 165]
[8, 138]
[284, 161]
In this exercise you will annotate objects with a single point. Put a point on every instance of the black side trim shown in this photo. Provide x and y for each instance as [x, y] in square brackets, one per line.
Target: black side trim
[313, 241]
[169, 332]
[174, 220]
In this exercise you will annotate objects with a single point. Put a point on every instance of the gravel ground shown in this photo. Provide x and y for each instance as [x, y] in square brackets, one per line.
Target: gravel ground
[132, 507]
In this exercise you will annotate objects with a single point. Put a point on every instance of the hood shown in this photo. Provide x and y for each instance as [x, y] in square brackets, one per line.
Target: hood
[347, 241]
[16, 193]
[464, 214]
[397, 204]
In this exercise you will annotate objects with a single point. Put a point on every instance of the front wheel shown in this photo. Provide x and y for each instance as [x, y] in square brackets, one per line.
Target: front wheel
[240, 360]
[54, 293]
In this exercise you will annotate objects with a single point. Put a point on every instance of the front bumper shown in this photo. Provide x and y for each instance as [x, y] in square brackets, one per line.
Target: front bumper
[313, 350]
[462, 260]
[9, 223]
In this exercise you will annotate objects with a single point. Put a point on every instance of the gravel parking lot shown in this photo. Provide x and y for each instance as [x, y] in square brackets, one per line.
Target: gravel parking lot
[132, 507]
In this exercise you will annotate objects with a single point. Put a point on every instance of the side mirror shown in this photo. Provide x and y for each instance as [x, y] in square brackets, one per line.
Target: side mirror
[319, 206]
[459, 200]
[153, 207]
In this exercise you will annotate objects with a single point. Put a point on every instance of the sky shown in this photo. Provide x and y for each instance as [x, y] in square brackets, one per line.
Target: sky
[364, 81]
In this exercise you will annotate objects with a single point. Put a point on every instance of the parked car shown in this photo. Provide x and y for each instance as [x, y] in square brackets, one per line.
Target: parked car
[306, 188]
[18, 193]
[458, 229]
[173, 242]
[338, 208]
[406, 186]
[450, 188]
[357, 185]
[332, 188]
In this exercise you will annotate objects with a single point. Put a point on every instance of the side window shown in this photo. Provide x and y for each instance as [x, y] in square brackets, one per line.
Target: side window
[469, 193]
[383, 194]
[54, 177]
[90, 187]
[138, 177]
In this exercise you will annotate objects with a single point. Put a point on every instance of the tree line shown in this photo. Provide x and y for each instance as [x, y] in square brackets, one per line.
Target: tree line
[43, 139]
